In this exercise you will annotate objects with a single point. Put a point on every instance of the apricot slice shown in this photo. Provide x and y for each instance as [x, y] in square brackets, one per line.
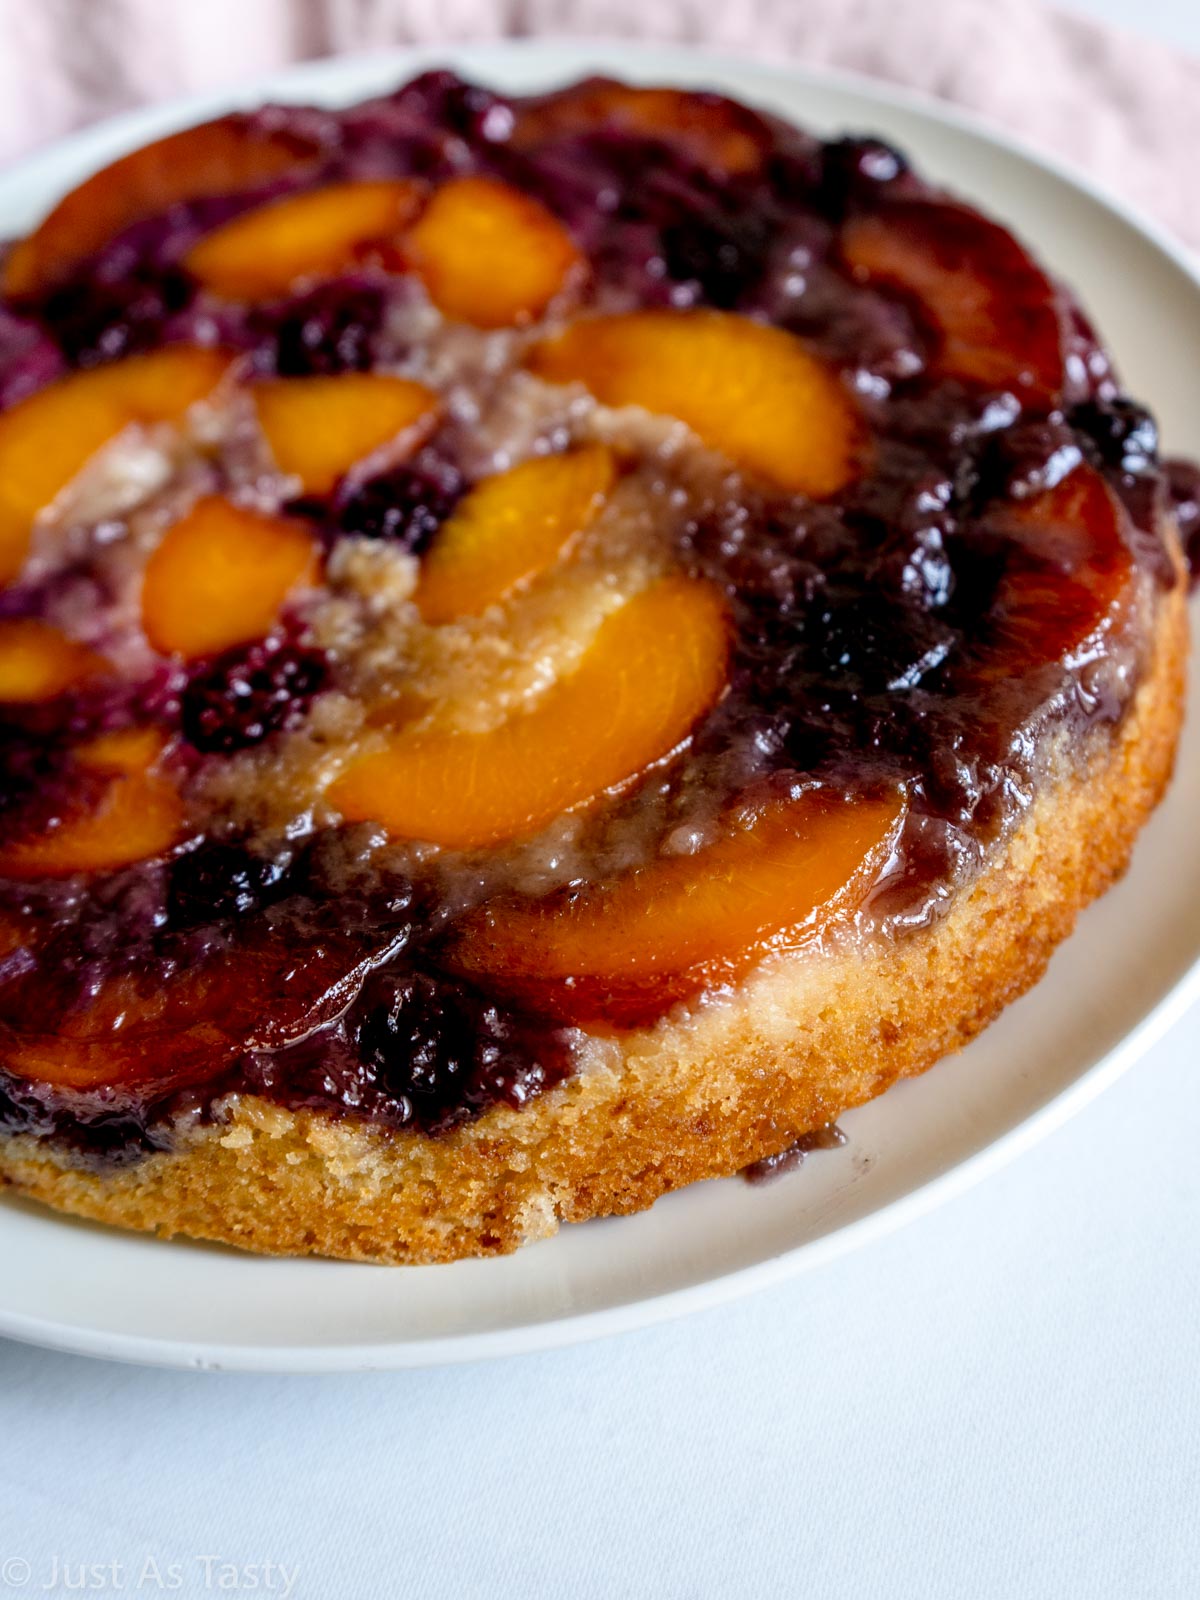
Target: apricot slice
[510, 528]
[264, 252]
[317, 428]
[714, 131]
[140, 1033]
[750, 391]
[38, 662]
[216, 158]
[46, 439]
[622, 954]
[489, 254]
[994, 308]
[1068, 568]
[129, 811]
[221, 576]
[652, 671]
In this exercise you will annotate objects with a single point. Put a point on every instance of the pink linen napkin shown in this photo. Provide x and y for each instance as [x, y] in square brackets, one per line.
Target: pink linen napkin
[1122, 107]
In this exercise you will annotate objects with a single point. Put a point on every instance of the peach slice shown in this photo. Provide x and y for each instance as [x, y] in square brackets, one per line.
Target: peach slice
[715, 131]
[46, 439]
[144, 1035]
[752, 392]
[996, 311]
[620, 955]
[38, 662]
[317, 428]
[654, 668]
[1067, 575]
[489, 254]
[127, 812]
[262, 253]
[221, 576]
[510, 528]
[216, 158]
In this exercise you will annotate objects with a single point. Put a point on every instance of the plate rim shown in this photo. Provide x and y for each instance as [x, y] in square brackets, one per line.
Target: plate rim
[93, 145]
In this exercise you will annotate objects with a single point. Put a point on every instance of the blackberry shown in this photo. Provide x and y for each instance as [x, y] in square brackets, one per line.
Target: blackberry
[856, 169]
[1183, 492]
[441, 1052]
[1124, 433]
[245, 695]
[724, 256]
[406, 505]
[473, 113]
[334, 328]
[101, 320]
[220, 879]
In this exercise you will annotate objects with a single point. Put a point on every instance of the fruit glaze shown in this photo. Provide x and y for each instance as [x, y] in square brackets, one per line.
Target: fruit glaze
[483, 572]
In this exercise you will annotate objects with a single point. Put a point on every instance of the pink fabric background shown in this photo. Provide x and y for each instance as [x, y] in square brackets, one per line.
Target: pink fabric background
[1124, 108]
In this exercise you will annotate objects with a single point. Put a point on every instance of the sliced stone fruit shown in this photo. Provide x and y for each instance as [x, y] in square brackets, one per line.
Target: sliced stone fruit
[263, 253]
[622, 954]
[217, 158]
[123, 809]
[714, 131]
[489, 254]
[995, 310]
[752, 392]
[1069, 566]
[221, 576]
[144, 1032]
[654, 668]
[318, 428]
[509, 528]
[39, 662]
[48, 438]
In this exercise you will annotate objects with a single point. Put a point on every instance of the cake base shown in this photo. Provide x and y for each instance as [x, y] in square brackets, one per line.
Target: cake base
[700, 1095]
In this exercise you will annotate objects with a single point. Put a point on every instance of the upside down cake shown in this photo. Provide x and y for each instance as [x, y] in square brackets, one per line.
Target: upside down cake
[549, 647]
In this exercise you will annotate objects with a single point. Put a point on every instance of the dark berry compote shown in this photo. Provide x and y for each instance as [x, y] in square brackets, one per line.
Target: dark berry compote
[481, 572]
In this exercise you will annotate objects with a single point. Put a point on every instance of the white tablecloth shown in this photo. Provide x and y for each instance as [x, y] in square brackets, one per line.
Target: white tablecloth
[1001, 1401]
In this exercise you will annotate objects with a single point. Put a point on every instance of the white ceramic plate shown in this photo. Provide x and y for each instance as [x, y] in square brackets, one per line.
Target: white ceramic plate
[81, 1287]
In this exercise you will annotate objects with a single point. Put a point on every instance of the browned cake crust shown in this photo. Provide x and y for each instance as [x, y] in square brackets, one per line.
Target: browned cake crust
[700, 1095]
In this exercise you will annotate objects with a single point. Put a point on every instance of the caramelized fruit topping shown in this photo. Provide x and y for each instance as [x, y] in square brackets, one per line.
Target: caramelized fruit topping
[489, 254]
[46, 439]
[265, 252]
[716, 131]
[150, 1031]
[38, 662]
[122, 810]
[621, 955]
[221, 576]
[318, 428]
[510, 528]
[996, 311]
[654, 668]
[217, 158]
[944, 537]
[752, 392]
[1068, 568]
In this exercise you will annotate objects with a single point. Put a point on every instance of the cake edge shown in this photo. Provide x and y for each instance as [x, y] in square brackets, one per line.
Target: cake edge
[699, 1096]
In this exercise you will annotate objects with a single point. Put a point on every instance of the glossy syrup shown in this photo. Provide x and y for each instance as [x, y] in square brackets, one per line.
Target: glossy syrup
[862, 624]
